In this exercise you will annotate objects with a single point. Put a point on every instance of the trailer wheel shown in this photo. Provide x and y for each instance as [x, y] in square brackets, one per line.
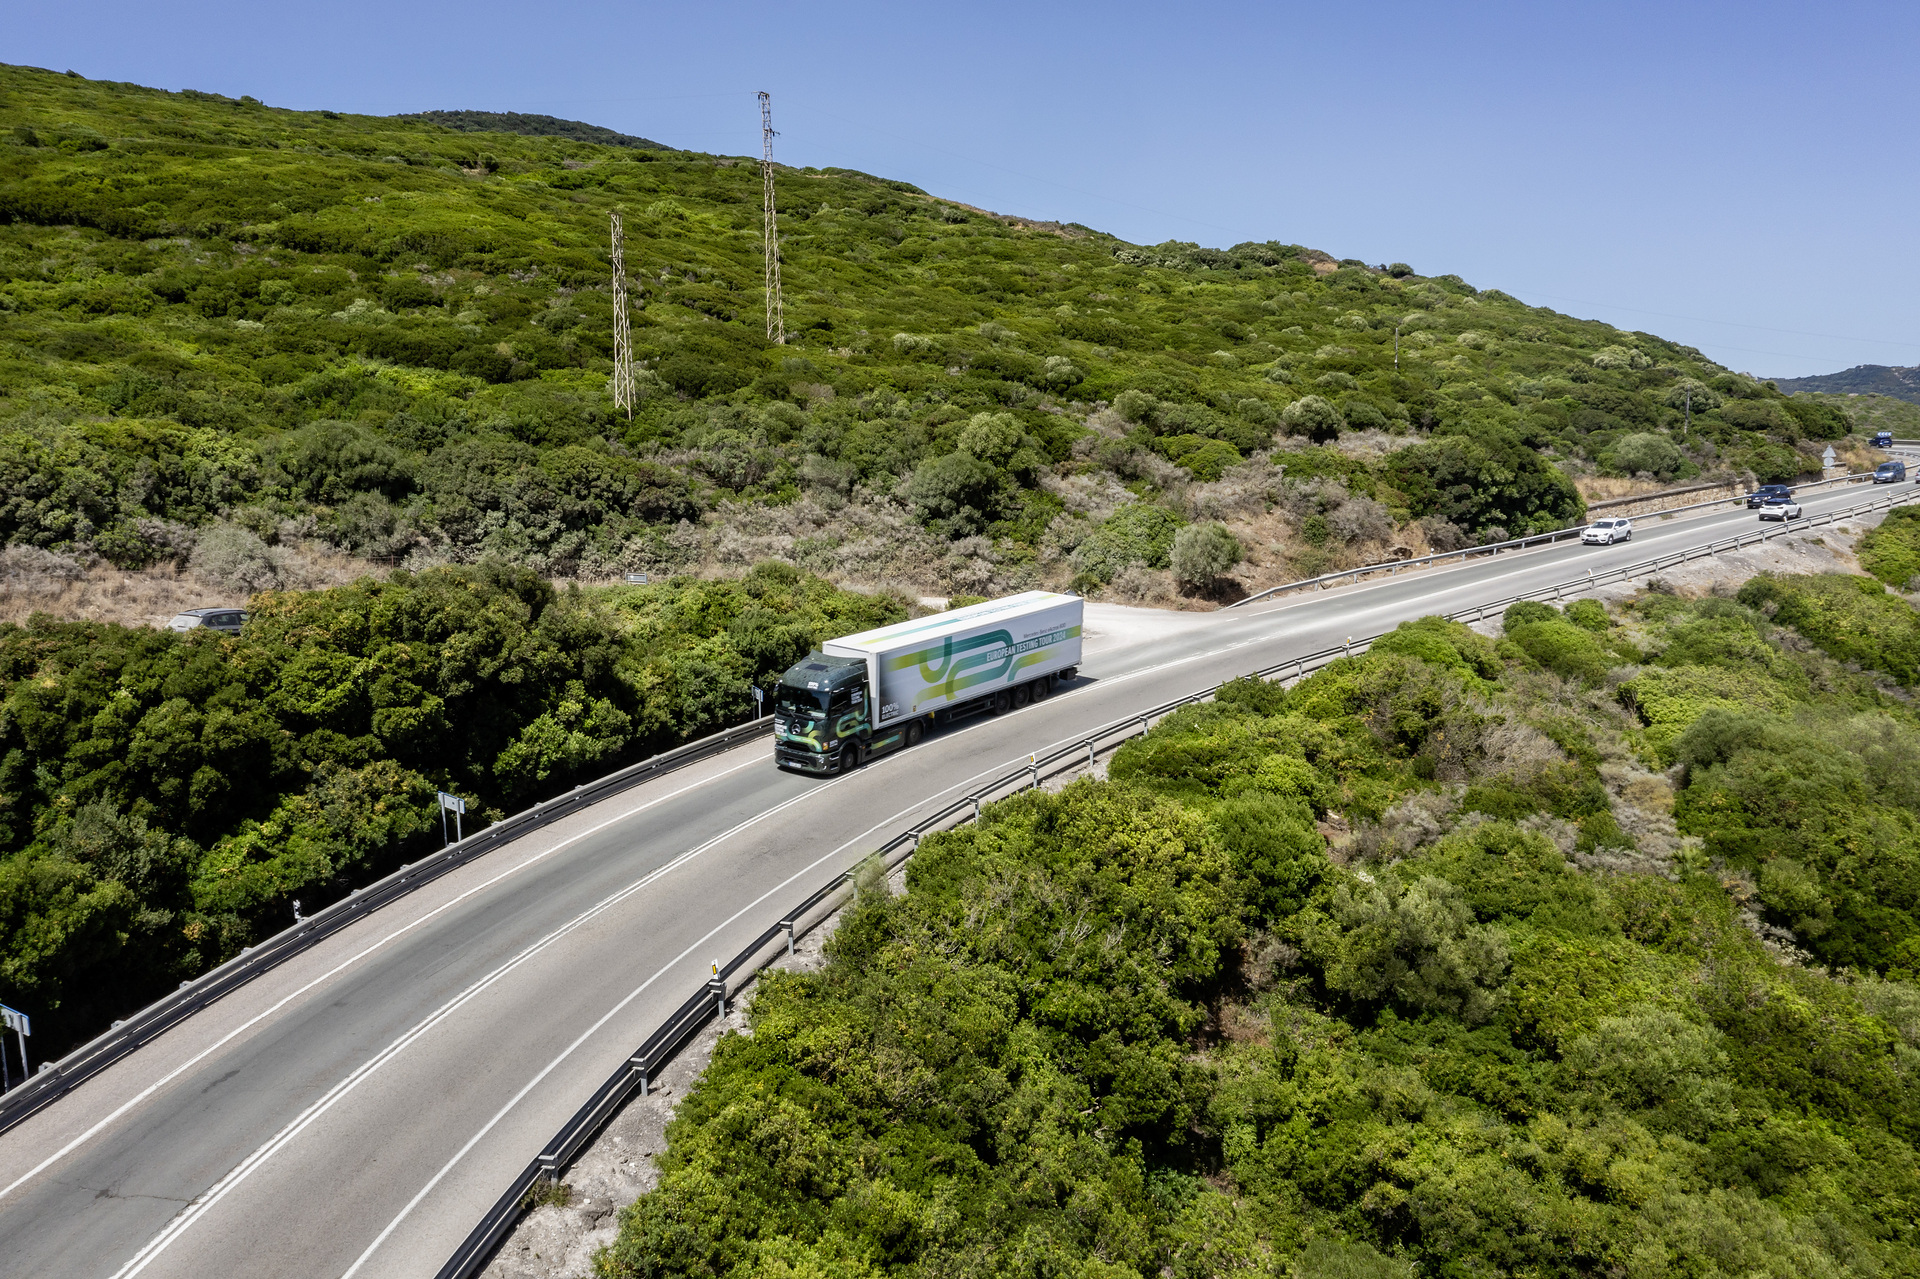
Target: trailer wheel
[1042, 687]
[1022, 694]
[1002, 703]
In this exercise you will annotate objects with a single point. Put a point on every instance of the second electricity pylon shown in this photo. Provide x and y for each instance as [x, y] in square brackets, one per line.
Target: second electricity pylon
[622, 334]
[776, 318]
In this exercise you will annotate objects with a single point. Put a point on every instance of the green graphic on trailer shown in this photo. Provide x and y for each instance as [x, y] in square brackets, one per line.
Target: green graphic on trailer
[951, 667]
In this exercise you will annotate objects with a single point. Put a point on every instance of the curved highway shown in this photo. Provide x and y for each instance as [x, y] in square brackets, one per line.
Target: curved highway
[356, 1110]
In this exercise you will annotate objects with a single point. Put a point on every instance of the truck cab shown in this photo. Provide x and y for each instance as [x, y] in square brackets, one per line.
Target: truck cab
[822, 721]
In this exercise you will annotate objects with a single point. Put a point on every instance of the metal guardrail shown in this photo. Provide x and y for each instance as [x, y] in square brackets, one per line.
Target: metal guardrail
[1391, 567]
[710, 1000]
[57, 1078]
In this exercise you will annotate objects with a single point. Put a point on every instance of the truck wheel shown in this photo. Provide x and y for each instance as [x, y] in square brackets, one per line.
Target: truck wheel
[849, 758]
[914, 732]
[1021, 696]
[1042, 687]
[1002, 703]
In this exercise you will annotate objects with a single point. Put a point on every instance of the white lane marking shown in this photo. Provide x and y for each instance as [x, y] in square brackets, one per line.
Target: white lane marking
[671, 964]
[202, 1203]
[339, 968]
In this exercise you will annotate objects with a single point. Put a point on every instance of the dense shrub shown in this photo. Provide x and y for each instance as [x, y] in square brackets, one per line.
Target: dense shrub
[1655, 455]
[1891, 551]
[1203, 552]
[1486, 477]
[1138, 534]
[1563, 648]
[1314, 417]
[1851, 617]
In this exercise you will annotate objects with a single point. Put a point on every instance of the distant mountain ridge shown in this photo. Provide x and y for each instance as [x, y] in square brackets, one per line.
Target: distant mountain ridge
[1861, 379]
[534, 126]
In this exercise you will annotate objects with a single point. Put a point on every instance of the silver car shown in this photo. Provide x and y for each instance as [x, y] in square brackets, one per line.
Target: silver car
[1607, 532]
[1780, 508]
[227, 621]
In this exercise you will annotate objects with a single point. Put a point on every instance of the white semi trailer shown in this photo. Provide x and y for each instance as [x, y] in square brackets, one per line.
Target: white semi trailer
[877, 691]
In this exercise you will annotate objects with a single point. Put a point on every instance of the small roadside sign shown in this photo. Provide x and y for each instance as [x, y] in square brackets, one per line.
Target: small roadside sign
[1826, 458]
[455, 805]
[16, 1021]
[636, 579]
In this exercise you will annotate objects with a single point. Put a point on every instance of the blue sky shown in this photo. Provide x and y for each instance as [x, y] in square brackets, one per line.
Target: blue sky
[1739, 177]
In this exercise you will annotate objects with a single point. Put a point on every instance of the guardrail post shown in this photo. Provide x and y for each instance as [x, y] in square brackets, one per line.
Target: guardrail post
[787, 924]
[717, 987]
[1090, 759]
[976, 806]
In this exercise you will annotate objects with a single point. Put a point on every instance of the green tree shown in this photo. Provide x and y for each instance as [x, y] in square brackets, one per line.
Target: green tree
[1314, 417]
[1203, 552]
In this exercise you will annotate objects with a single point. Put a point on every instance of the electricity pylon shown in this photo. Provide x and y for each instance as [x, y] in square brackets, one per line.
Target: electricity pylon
[622, 334]
[776, 317]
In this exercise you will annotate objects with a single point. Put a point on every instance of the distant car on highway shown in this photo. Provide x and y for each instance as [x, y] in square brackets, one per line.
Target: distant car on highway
[1883, 439]
[1780, 508]
[1766, 492]
[227, 621]
[1890, 473]
[1607, 532]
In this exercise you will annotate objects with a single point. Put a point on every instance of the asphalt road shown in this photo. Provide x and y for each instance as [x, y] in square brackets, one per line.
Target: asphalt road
[355, 1111]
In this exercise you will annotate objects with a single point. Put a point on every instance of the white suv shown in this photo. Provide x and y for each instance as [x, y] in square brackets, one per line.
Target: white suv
[1607, 532]
[228, 621]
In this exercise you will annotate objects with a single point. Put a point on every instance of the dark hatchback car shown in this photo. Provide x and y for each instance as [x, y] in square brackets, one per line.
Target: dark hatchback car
[1760, 495]
[1883, 439]
[225, 620]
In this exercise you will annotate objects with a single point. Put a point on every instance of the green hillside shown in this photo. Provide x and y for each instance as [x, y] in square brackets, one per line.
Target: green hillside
[1863, 379]
[394, 337]
[536, 126]
[1870, 413]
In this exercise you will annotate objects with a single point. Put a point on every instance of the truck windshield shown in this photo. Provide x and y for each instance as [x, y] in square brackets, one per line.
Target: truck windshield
[800, 701]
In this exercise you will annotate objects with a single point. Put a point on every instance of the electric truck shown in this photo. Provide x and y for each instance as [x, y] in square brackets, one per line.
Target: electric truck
[878, 691]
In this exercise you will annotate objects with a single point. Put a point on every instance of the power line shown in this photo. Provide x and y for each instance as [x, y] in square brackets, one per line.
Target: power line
[622, 334]
[776, 316]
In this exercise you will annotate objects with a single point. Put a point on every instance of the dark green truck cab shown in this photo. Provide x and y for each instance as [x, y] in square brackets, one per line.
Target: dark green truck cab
[822, 720]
